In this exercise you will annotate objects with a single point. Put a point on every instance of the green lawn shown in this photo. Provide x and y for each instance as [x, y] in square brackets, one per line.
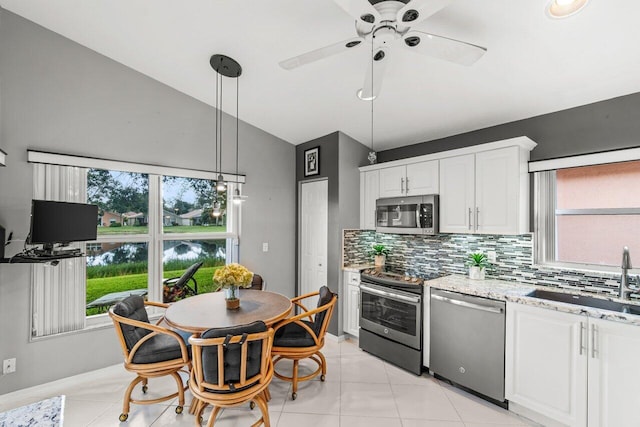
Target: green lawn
[136, 229]
[100, 286]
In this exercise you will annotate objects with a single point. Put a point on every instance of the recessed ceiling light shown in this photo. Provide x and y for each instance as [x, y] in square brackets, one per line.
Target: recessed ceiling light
[564, 8]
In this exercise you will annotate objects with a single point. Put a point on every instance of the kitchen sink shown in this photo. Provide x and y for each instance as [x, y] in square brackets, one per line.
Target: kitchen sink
[603, 304]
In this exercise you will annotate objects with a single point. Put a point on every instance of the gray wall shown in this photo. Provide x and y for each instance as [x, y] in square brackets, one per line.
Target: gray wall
[340, 157]
[58, 96]
[606, 125]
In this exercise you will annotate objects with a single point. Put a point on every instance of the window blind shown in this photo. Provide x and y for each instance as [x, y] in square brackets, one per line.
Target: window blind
[58, 292]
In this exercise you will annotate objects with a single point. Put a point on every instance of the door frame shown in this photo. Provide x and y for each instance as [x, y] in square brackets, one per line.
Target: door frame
[299, 234]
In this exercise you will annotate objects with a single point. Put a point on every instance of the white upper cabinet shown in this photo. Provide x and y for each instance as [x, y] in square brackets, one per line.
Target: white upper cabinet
[457, 194]
[486, 192]
[483, 188]
[369, 193]
[413, 179]
[392, 181]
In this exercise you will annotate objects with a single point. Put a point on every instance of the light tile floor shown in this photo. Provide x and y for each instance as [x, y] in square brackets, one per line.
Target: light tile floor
[360, 390]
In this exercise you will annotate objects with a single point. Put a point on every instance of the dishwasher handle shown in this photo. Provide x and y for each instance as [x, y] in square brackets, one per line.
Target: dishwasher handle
[497, 310]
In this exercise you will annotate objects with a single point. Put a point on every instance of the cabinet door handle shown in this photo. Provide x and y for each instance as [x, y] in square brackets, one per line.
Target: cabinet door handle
[401, 185]
[470, 222]
[477, 218]
[407, 185]
[594, 350]
[582, 330]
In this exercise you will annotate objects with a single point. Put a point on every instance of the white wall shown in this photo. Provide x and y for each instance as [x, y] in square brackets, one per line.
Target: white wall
[58, 96]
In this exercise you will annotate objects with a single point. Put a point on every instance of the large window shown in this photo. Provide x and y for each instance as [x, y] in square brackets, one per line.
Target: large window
[191, 226]
[586, 215]
[154, 222]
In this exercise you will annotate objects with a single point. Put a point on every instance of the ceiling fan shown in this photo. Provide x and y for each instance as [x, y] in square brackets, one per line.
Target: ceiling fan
[385, 23]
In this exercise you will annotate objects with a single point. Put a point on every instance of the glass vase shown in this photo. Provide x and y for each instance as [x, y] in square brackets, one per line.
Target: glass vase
[232, 297]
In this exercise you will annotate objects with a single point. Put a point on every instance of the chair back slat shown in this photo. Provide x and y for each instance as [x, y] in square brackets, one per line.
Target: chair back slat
[237, 364]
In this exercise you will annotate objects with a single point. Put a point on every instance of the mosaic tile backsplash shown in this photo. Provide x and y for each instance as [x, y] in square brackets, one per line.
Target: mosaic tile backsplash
[447, 253]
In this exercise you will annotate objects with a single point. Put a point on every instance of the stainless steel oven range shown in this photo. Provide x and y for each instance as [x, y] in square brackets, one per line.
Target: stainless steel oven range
[391, 317]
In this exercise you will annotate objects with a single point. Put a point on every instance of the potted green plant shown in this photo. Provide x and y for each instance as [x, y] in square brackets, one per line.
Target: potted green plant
[477, 262]
[380, 253]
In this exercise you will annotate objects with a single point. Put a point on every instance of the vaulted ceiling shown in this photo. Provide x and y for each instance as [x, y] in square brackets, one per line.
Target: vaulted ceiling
[533, 65]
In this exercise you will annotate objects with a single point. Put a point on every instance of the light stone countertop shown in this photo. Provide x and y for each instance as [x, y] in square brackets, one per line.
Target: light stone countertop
[517, 292]
[356, 268]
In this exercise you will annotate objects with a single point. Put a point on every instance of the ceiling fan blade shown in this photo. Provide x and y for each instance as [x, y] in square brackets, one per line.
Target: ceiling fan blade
[440, 47]
[323, 52]
[375, 71]
[419, 10]
[361, 10]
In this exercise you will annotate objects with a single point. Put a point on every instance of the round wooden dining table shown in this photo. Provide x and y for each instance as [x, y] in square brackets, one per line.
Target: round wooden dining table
[198, 313]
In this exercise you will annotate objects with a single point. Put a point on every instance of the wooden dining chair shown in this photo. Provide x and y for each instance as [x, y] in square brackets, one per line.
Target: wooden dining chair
[302, 336]
[232, 366]
[150, 350]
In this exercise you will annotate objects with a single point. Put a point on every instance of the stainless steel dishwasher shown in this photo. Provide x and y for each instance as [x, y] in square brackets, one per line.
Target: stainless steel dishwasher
[467, 341]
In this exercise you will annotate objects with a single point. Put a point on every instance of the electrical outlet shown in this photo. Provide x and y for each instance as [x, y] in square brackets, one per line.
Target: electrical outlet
[265, 247]
[8, 366]
[491, 255]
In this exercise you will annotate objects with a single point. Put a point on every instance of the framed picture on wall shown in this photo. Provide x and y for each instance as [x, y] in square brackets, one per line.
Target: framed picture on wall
[312, 161]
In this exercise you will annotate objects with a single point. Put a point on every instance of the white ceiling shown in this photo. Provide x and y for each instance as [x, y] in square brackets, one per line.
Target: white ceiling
[534, 65]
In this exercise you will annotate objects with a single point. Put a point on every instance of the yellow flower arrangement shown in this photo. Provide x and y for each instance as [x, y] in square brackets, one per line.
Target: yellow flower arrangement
[233, 274]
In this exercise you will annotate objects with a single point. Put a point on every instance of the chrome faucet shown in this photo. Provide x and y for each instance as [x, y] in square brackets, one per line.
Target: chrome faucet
[625, 288]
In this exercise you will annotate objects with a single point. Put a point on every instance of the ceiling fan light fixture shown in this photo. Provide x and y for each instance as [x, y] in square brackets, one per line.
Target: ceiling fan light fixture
[558, 9]
[368, 18]
[364, 98]
[410, 15]
[412, 41]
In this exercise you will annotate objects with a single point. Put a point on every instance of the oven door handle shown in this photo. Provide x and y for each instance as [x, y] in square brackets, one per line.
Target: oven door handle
[467, 304]
[389, 294]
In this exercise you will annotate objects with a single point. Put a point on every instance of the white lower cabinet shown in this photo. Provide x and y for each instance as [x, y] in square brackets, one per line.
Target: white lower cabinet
[614, 374]
[351, 304]
[572, 369]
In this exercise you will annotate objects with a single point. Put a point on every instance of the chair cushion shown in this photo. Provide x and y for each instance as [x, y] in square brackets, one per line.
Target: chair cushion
[132, 307]
[232, 354]
[294, 335]
[158, 348]
[323, 298]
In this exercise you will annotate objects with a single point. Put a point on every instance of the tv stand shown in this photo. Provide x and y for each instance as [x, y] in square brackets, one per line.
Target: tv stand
[35, 258]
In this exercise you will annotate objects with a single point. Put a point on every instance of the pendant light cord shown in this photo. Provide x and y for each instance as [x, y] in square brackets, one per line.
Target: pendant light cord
[216, 138]
[221, 117]
[237, 129]
[372, 96]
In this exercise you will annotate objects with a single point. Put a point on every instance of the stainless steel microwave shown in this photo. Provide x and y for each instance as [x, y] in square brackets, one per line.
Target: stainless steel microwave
[407, 215]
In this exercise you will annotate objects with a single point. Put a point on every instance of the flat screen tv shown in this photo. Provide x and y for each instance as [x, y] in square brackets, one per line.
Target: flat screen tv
[62, 222]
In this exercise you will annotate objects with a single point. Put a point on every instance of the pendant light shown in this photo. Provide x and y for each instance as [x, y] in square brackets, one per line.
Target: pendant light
[227, 67]
[237, 197]
[373, 157]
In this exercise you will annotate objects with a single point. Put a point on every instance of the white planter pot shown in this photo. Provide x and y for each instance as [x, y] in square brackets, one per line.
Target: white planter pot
[379, 260]
[476, 273]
